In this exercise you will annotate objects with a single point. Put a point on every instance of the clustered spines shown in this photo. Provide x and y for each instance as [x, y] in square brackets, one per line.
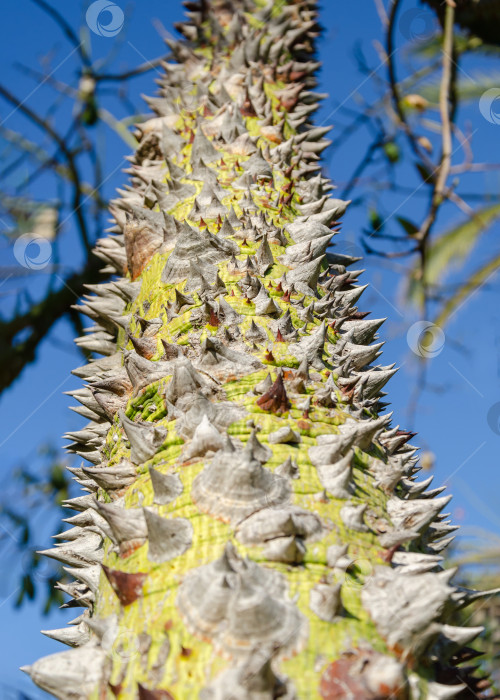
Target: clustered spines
[245, 347]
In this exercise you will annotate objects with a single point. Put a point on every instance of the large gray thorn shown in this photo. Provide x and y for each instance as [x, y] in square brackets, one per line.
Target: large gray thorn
[120, 476]
[311, 347]
[70, 675]
[362, 332]
[166, 487]
[168, 538]
[85, 551]
[74, 636]
[97, 368]
[308, 250]
[372, 382]
[305, 276]
[145, 438]
[415, 514]
[336, 478]
[203, 148]
[127, 524]
[186, 380]
[89, 575]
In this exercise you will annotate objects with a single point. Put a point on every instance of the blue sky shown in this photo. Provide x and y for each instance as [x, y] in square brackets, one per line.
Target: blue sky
[452, 421]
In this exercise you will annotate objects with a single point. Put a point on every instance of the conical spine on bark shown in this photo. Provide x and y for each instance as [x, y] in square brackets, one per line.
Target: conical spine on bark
[252, 526]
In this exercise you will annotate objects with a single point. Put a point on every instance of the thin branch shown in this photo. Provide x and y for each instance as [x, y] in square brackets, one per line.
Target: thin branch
[394, 86]
[42, 78]
[443, 170]
[388, 256]
[364, 163]
[69, 156]
[39, 319]
[382, 12]
[66, 28]
[143, 68]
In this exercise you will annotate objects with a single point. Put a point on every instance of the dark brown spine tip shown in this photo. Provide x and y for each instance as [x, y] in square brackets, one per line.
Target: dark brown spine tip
[279, 337]
[145, 694]
[286, 296]
[465, 654]
[145, 347]
[407, 435]
[388, 554]
[275, 399]
[171, 351]
[269, 357]
[214, 319]
[128, 587]
[247, 108]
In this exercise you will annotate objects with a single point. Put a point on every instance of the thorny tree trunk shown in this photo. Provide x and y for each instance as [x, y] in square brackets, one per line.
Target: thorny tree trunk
[252, 527]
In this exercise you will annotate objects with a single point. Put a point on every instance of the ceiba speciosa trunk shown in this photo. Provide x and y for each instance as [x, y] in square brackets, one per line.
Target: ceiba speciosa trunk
[252, 527]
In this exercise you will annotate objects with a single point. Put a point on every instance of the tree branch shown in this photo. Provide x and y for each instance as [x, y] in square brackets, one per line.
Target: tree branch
[39, 319]
[75, 175]
[143, 68]
[66, 28]
[443, 169]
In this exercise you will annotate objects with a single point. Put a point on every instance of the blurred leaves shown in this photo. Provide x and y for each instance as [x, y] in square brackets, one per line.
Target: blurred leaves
[478, 557]
[30, 511]
[448, 250]
[474, 282]
[408, 226]
[468, 88]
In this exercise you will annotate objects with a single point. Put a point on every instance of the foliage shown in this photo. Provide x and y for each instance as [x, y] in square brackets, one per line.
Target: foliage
[30, 490]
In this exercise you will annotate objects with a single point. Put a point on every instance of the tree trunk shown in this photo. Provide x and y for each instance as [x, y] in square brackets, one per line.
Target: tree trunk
[252, 528]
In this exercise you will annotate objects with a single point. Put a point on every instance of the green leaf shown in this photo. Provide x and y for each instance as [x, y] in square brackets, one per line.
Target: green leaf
[468, 88]
[431, 47]
[391, 150]
[376, 221]
[27, 588]
[410, 228]
[475, 282]
[451, 248]
[426, 175]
